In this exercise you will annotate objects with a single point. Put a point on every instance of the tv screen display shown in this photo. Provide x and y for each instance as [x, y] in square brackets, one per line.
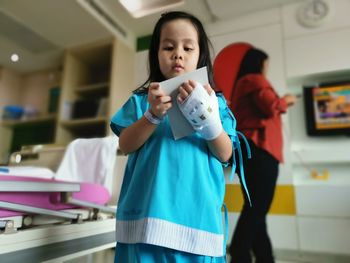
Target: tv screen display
[327, 109]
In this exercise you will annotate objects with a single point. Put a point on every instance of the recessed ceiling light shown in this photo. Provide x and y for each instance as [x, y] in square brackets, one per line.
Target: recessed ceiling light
[140, 8]
[14, 57]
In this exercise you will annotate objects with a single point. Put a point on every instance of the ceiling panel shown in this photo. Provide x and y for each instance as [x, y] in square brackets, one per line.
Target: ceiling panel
[228, 9]
[65, 23]
[62, 22]
[25, 37]
[144, 25]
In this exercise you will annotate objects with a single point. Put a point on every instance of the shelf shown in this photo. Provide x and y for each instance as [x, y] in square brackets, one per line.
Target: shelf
[96, 89]
[327, 174]
[35, 120]
[86, 88]
[92, 63]
[304, 179]
[78, 123]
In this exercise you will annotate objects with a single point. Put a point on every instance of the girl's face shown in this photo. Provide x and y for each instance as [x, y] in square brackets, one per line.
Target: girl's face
[178, 48]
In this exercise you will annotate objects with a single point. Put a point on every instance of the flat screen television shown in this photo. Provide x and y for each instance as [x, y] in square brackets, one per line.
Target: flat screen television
[327, 108]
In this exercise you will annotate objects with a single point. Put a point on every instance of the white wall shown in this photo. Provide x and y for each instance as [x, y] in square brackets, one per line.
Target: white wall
[312, 56]
[324, 49]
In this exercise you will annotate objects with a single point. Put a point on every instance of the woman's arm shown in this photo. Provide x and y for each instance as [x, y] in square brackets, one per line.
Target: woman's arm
[271, 104]
[265, 97]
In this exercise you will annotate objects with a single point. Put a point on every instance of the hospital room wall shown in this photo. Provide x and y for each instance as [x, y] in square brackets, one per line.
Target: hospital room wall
[313, 215]
[307, 215]
[312, 56]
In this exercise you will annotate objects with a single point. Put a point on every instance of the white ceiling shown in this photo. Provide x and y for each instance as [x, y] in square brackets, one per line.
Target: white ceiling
[65, 23]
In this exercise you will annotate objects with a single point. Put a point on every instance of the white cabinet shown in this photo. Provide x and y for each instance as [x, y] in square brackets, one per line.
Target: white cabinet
[323, 200]
[324, 234]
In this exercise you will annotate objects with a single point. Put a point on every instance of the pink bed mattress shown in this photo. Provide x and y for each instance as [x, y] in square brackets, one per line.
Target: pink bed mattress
[89, 192]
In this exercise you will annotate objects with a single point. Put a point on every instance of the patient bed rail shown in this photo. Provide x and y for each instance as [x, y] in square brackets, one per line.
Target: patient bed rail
[17, 186]
[36, 210]
[59, 197]
[68, 199]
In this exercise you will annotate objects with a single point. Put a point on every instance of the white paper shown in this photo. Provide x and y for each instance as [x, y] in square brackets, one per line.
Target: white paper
[179, 124]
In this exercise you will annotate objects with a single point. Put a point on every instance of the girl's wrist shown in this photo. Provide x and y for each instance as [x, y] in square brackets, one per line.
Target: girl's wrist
[152, 118]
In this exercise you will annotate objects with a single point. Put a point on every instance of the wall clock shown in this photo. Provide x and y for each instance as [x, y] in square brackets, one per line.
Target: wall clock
[314, 13]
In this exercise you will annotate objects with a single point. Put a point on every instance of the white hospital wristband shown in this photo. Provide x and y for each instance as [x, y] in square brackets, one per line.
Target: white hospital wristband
[152, 118]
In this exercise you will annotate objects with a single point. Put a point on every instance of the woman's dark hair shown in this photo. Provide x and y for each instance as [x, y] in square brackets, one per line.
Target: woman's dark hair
[252, 63]
[204, 48]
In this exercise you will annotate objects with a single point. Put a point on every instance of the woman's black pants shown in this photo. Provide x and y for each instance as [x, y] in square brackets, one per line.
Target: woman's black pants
[251, 236]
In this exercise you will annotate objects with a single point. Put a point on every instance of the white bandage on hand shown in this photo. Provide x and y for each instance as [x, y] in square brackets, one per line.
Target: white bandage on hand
[202, 111]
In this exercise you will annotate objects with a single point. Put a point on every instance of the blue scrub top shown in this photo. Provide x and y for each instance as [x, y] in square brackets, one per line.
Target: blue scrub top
[172, 189]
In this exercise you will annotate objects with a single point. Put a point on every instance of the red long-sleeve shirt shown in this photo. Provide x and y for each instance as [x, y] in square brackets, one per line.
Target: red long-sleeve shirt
[258, 108]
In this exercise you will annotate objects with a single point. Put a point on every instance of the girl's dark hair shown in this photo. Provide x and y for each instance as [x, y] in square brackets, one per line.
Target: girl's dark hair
[252, 63]
[155, 75]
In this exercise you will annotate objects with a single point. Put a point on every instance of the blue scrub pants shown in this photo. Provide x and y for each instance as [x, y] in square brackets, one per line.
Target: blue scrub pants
[145, 253]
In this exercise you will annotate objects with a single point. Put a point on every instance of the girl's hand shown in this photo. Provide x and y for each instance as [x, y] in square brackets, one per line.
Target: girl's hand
[186, 89]
[159, 102]
[199, 105]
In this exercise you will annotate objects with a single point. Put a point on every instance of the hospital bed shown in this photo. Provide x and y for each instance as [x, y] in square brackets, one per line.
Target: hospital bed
[45, 220]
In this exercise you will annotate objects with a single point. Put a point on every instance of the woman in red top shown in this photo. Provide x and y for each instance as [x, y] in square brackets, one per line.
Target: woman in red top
[258, 110]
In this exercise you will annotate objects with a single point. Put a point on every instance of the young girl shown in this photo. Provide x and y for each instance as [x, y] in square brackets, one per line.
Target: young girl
[170, 203]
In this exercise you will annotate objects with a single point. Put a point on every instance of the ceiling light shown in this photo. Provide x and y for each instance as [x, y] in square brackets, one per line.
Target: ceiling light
[14, 57]
[140, 8]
